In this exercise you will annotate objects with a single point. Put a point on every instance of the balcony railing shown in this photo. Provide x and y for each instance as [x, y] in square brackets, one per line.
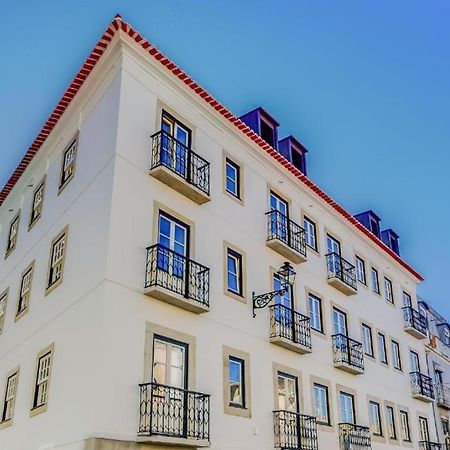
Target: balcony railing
[295, 431]
[421, 385]
[287, 231]
[348, 351]
[177, 273]
[342, 270]
[426, 445]
[415, 320]
[288, 324]
[446, 445]
[354, 437]
[173, 412]
[442, 395]
[181, 160]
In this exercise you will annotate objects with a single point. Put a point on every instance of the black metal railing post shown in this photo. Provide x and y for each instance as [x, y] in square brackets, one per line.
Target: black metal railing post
[177, 273]
[421, 384]
[340, 268]
[286, 230]
[167, 151]
[348, 351]
[170, 411]
[289, 324]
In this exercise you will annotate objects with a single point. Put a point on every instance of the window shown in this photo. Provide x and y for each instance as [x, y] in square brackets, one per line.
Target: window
[234, 272]
[10, 396]
[390, 422]
[360, 270]
[396, 361]
[57, 256]
[232, 178]
[315, 312]
[12, 235]
[236, 367]
[414, 363]
[68, 164]
[3, 301]
[25, 290]
[321, 404]
[169, 362]
[375, 418]
[339, 322]
[367, 339]
[388, 290]
[406, 299]
[41, 388]
[36, 207]
[346, 407]
[287, 392]
[375, 282]
[404, 426]
[267, 132]
[445, 426]
[446, 336]
[310, 233]
[423, 429]
[382, 354]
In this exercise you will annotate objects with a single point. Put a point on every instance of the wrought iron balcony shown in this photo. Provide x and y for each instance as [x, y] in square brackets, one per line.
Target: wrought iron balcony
[426, 445]
[176, 279]
[290, 329]
[415, 323]
[421, 387]
[286, 237]
[446, 445]
[170, 412]
[341, 274]
[295, 431]
[354, 437]
[442, 395]
[348, 354]
[180, 167]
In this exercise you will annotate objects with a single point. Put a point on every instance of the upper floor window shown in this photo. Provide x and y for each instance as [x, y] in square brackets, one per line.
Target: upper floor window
[321, 404]
[367, 339]
[375, 282]
[68, 164]
[382, 354]
[310, 233]
[169, 362]
[375, 418]
[12, 235]
[406, 299]
[346, 407]
[414, 361]
[315, 312]
[57, 256]
[10, 396]
[388, 292]
[404, 426]
[360, 270]
[232, 178]
[236, 374]
[36, 207]
[424, 433]
[396, 360]
[3, 302]
[25, 291]
[390, 422]
[234, 272]
[287, 392]
[41, 387]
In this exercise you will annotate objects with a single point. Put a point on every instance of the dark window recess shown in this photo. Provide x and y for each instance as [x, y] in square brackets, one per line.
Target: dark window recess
[267, 132]
[391, 239]
[262, 124]
[293, 151]
[371, 221]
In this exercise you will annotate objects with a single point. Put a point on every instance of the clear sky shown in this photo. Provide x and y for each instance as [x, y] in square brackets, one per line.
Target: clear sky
[365, 85]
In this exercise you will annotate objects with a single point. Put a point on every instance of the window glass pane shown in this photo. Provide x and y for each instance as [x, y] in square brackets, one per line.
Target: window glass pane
[310, 233]
[315, 314]
[232, 178]
[321, 403]
[382, 348]
[236, 372]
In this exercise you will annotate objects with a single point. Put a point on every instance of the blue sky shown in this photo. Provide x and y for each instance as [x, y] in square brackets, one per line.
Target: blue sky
[364, 85]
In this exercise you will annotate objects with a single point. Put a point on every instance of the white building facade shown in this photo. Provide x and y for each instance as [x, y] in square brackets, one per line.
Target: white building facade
[141, 233]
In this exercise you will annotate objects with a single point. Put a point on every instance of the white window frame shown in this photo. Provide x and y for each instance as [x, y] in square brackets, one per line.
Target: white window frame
[366, 332]
[388, 290]
[321, 403]
[69, 158]
[374, 275]
[10, 396]
[13, 234]
[315, 312]
[381, 339]
[404, 425]
[360, 270]
[396, 358]
[237, 258]
[236, 180]
[58, 250]
[310, 233]
[241, 382]
[375, 418]
[36, 206]
[44, 364]
[390, 423]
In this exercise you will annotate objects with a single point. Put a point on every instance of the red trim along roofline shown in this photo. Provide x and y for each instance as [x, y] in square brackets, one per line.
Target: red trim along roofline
[119, 25]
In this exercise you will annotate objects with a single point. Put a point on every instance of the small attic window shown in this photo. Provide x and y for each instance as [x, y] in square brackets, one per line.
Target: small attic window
[267, 132]
[298, 159]
[374, 227]
[394, 244]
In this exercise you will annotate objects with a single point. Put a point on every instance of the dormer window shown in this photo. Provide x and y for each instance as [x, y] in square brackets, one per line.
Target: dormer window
[390, 238]
[294, 152]
[267, 132]
[374, 227]
[371, 221]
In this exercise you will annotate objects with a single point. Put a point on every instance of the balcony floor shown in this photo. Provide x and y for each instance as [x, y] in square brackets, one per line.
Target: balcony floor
[423, 398]
[341, 286]
[290, 345]
[348, 368]
[414, 332]
[175, 299]
[283, 249]
[173, 442]
[175, 181]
